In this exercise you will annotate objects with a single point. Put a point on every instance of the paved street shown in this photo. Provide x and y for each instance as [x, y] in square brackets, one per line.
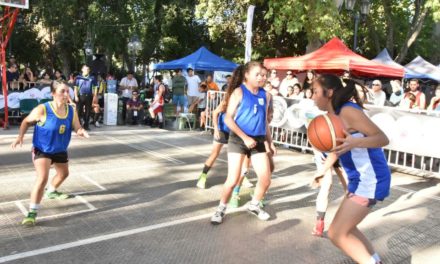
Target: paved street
[136, 202]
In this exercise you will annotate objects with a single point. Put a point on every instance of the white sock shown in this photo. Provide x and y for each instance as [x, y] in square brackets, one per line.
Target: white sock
[372, 260]
[160, 117]
[376, 257]
[51, 188]
[222, 205]
[34, 207]
[255, 201]
[244, 171]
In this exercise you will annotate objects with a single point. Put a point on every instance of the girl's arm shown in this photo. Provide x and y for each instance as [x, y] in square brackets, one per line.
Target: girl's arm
[356, 120]
[36, 115]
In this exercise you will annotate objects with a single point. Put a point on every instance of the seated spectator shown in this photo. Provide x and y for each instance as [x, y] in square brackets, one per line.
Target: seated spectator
[408, 102]
[12, 76]
[420, 99]
[290, 80]
[134, 109]
[59, 76]
[46, 80]
[29, 75]
[397, 94]
[294, 92]
[435, 101]
[379, 96]
[273, 79]
[308, 93]
[270, 89]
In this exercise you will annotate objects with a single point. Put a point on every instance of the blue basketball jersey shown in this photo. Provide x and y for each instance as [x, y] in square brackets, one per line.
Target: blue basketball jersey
[367, 169]
[221, 123]
[251, 113]
[53, 135]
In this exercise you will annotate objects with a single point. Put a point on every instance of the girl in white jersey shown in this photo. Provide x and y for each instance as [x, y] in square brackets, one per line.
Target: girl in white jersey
[363, 160]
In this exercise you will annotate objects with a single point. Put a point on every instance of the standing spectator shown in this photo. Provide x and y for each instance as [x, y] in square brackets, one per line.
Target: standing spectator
[420, 101]
[210, 84]
[397, 94]
[134, 109]
[201, 104]
[85, 90]
[435, 101]
[379, 96]
[12, 60]
[290, 80]
[98, 100]
[193, 86]
[12, 74]
[29, 75]
[179, 85]
[112, 83]
[228, 81]
[126, 86]
[273, 79]
[309, 79]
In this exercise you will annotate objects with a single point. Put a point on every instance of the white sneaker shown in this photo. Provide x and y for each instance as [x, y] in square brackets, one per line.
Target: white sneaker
[97, 124]
[217, 218]
[258, 211]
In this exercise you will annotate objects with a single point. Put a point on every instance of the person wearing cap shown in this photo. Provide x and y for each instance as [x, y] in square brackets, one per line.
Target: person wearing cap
[290, 80]
[379, 96]
[193, 82]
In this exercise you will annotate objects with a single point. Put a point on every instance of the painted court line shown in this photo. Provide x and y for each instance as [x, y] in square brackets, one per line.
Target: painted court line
[151, 152]
[87, 178]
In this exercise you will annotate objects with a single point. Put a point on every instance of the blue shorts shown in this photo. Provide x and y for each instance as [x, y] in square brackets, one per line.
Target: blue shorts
[179, 100]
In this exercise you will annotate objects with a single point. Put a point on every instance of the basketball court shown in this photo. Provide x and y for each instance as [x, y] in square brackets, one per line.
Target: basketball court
[135, 201]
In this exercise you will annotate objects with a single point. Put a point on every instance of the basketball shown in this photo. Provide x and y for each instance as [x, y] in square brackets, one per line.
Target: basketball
[324, 130]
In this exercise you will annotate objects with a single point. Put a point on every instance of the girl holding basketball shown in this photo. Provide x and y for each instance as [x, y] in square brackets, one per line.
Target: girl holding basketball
[363, 160]
[246, 117]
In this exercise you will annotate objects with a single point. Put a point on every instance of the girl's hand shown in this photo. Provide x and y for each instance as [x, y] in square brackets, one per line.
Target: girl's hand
[272, 149]
[18, 140]
[250, 142]
[82, 133]
[216, 134]
[348, 143]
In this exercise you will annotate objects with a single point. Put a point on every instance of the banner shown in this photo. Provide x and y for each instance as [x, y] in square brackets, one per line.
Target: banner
[219, 78]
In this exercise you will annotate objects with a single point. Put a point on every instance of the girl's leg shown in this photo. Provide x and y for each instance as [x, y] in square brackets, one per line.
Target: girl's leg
[215, 152]
[62, 170]
[261, 164]
[344, 234]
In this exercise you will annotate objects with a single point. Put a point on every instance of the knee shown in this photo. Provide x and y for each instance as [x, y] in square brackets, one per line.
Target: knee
[42, 181]
[334, 235]
[231, 183]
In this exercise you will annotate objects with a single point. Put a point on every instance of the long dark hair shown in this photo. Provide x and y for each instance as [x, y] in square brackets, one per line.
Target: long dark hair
[341, 93]
[238, 78]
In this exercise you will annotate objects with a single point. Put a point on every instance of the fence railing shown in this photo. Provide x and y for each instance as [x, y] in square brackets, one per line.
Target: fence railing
[422, 165]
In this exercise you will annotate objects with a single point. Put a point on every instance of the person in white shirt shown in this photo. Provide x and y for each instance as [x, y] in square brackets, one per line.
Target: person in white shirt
[273, 79]
[193, 82]
[379, 96]
[290, 80]
[127, 85]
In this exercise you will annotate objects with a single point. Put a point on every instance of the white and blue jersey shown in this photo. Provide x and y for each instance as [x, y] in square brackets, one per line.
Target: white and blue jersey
[368, 173]
[53, 134]
[221, 123]
[251, 113]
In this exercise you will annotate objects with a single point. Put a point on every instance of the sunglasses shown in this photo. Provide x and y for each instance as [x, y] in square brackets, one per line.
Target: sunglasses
[289, 73]
[274, 72]
[376, 84]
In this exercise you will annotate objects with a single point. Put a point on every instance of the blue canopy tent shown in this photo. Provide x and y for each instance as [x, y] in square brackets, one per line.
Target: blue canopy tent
[385, 58]
[421, 69]
[202, 59]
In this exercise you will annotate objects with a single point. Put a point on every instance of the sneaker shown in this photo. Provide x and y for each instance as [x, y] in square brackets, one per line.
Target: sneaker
[57, 195]
[97, 124]
[234, 202]
[29, 220]
[201, 183]
[318, 230]
[258, 211]
[263, 201]
[247, 183]
[217, 218]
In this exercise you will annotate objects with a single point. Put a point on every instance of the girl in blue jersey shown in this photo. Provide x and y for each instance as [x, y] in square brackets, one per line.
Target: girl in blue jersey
[363, 160]
[246, 117]
[54, 122]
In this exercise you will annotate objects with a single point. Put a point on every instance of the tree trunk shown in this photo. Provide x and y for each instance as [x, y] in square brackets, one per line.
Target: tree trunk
[413, 33]
[313, 44]
[373, 34]
[66, 61]
[389, 27]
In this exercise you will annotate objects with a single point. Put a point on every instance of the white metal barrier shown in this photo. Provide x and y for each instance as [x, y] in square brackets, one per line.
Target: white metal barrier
[422, 165]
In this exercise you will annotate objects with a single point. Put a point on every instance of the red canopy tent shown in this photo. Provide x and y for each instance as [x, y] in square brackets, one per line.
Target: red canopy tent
[334, 56]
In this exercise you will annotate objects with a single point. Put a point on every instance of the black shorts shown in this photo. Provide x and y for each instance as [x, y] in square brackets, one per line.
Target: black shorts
[224, 137]
[236, 145]
[60, 157]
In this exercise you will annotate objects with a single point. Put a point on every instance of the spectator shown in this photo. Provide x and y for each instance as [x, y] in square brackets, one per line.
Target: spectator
[309, 79]
[12, 73]
[408, 102]
[294, 92]
[290, 80]
[85, 90]
[228, 81]
[273, 79]
[193, 82]
[12, 60]
[269, 88]
[126, 86]
[179, 91]
[201, 104]
[397, 94]
[210, 84]
[59, 76]
[29, 75]
[112, 83]
[379, 97]
[134, 109]
[46, 79]
[308, 93]
[435, 101]
[420, 99]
